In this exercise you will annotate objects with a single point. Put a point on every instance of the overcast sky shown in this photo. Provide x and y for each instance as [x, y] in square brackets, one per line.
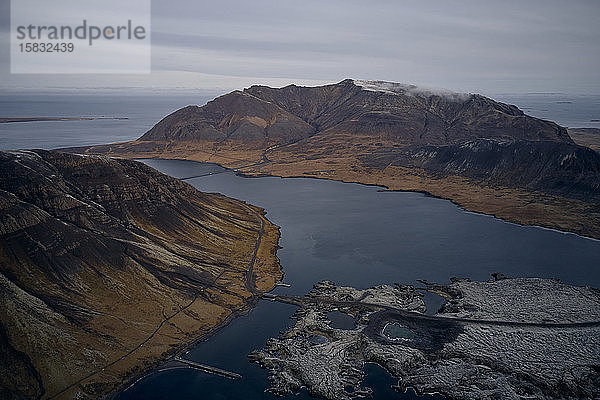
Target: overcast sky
[480, 46]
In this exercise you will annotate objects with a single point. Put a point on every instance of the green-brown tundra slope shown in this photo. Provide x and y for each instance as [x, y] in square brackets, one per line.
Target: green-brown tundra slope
[108, 266]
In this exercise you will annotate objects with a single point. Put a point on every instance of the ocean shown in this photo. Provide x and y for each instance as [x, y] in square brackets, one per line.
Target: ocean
[143, 111]
[369, 238]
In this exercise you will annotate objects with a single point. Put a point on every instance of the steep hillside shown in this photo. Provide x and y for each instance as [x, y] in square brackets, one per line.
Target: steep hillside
[234, 116]
[108, 266]
[552, 167]
[406, 113]
[589, 137]
[485, 155]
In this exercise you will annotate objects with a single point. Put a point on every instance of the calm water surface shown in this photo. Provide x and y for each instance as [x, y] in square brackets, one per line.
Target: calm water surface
[357, 235]
[142, 112]
[351, 234]
[582, 111]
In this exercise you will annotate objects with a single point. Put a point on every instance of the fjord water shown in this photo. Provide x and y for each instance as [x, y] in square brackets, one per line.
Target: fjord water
[352, 234]
[360, 236]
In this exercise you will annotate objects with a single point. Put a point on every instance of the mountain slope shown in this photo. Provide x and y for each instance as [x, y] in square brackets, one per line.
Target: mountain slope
[235, 116]
[485, 155]
[108, 266]
[402, 113]
[552, 167]
[406, 113]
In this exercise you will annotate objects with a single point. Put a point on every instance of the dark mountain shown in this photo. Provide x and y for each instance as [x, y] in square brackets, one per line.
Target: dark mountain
[236, 116]
[402, 136]
[446, 134]
[406, 113]
[107, 266]
[402, 113]
[553, 167]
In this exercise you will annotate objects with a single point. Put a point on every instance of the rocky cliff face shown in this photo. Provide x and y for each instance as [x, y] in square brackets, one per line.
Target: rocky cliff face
[106, 266]
[553, 167]
[402, 113]
[406, 113]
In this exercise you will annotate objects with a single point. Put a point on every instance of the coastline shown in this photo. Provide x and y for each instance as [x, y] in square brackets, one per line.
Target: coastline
[144, 281]
[258, 169]
[240, 170]
[507, 204]
[271, 249]
[133, 380]
[511, 205]
[216, 329]
[445, 350]
[154, 352]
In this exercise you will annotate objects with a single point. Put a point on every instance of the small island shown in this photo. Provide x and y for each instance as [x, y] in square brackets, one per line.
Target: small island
[6, 120]
[507, 338]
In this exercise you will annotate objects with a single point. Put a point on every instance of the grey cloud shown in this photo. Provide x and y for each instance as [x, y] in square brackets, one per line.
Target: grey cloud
[469, 45]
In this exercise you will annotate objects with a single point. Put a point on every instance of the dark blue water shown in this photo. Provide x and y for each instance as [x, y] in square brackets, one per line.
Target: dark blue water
[351, 234]
[581, 111]
[339, 320]
[366, 236]
[357, 235]
[142, 112]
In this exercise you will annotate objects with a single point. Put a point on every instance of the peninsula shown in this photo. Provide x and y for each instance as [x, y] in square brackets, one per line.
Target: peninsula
[484, 155]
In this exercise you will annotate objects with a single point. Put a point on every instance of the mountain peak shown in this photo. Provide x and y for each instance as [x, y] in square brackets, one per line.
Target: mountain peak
[262, 116]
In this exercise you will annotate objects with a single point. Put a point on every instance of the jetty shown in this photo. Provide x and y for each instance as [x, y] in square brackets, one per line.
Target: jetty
[209, 369]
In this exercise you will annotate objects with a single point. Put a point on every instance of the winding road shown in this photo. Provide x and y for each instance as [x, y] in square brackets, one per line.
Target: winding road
[130, 352]
[249, 284]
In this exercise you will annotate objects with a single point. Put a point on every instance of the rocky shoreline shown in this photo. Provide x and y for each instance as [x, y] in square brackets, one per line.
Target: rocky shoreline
[506, 338]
